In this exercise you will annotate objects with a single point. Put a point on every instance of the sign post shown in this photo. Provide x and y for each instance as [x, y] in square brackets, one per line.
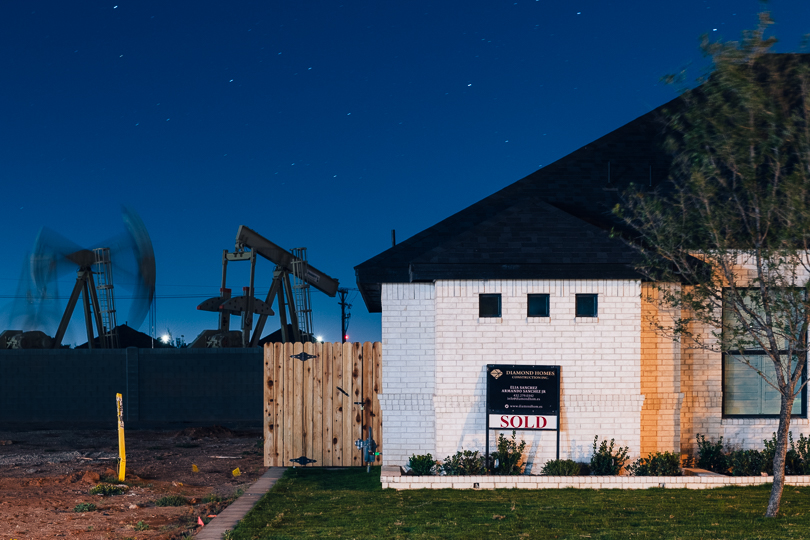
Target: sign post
[523, 398]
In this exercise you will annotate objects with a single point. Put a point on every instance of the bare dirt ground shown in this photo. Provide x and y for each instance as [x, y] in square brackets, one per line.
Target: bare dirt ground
[45, 475]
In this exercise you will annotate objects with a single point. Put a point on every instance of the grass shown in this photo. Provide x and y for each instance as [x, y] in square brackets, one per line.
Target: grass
[84, 507]
[315, 503]
[109, 489]
[171, 500]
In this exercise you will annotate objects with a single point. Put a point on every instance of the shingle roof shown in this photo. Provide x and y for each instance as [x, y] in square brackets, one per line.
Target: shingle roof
[551, 224]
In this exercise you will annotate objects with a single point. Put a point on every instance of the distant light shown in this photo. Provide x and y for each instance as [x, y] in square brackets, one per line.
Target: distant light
[165, 338]
[318, 338]
[346, 337]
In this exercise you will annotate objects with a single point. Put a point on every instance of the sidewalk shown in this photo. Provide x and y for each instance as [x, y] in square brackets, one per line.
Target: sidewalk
[236, 511]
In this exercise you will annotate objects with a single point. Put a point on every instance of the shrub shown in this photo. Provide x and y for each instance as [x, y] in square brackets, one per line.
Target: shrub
[745, 462]
[607, 460]
[141, 526]
[84, 507]
[657, 464]
[561, 467]
[108, 489]
[171, 500]
[464, 463]
[711, 456]
[422, 465]
[793, 460]
[803, 451]
[507, 459]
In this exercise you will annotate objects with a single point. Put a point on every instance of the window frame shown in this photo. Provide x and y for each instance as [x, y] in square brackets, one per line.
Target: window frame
[500, 305]
[595, 297]
[547, 298]
[802, 396]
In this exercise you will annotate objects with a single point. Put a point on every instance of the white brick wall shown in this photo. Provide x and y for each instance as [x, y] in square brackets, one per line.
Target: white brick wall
[444, 350]
[409, 364]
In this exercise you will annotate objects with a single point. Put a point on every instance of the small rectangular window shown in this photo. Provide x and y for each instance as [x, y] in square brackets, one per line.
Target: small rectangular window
[489, 305]
[586, 305]
[538, 305]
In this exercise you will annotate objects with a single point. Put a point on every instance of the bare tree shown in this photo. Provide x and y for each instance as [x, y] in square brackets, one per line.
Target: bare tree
[732, 226]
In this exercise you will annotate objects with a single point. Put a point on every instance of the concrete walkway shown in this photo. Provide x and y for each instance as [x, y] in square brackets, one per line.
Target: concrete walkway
[228, 518]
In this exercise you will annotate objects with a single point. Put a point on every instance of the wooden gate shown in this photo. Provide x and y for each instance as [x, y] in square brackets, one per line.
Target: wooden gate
[317, 404]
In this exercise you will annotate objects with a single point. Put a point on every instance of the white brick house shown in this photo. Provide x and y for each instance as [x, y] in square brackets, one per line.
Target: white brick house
[547, 234]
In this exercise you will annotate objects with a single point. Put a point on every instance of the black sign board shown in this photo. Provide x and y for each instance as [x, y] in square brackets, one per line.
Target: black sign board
[523, 397]
[523, 389]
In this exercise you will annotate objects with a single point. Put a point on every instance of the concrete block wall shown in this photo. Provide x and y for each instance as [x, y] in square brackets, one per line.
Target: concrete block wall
[408, 374]
[434, 330]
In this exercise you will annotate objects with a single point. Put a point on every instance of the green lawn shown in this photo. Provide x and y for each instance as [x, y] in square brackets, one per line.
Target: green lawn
[316, 503]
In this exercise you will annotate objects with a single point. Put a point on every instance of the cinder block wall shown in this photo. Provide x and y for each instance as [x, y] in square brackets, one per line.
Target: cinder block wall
[159, 386]
[599, 360]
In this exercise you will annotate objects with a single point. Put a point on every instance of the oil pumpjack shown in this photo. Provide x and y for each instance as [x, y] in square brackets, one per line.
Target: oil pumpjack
[292, 278]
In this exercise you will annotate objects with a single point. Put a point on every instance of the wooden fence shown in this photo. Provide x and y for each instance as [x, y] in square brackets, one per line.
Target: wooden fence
[318, 404]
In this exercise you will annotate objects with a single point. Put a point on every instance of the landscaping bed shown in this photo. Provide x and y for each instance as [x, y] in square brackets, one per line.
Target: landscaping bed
[46, 478]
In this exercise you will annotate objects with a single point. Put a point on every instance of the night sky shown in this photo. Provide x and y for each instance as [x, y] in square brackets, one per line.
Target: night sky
[318, 124]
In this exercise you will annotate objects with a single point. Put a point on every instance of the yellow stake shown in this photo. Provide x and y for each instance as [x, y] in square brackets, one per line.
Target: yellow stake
[122, 451]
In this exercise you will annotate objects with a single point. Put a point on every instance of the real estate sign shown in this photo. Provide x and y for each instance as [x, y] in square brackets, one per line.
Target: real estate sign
[523, 397]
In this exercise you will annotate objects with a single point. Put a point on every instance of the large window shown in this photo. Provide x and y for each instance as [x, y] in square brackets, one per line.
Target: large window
[745, 392]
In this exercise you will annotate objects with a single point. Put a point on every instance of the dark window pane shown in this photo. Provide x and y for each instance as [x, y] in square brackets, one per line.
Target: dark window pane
[538, 305]
[586, 305]
[489, 305]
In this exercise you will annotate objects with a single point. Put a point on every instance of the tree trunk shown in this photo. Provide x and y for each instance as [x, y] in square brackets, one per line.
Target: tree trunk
[779, 457]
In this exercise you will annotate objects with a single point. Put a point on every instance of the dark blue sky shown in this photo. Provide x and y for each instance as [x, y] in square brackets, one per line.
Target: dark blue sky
[318, 124]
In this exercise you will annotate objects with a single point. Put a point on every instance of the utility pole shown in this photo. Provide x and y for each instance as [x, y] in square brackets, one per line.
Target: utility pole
[343, 292]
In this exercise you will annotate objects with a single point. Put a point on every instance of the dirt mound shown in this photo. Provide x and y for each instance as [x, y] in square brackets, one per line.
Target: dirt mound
[213, 432]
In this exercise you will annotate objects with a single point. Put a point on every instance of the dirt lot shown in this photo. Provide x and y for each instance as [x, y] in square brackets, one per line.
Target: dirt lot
[46, 475]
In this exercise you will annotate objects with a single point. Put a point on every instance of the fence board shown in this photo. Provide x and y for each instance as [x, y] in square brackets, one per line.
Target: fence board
[317, 404]
[289, 405]
[376, 390]
[278, 440]
[349, 378]
[327, 391]
[298, 413]
[367, 365]
[307, 448]
[305, 412]
[337, 408]
[269, 402]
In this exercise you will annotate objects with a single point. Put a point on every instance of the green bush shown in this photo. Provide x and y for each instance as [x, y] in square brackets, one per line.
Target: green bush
[422, 465]
[109, 489]
[464, 463]
[657, 464]
[607, 460]
[84, 507]
[711, 456]
[141, 526]
[746, 462]
[171, 500]
[561, 467]
[803, 450]
[506, 461]
[793, 462]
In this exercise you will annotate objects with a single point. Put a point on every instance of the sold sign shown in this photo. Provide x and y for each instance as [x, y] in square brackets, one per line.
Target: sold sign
[522, 421]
